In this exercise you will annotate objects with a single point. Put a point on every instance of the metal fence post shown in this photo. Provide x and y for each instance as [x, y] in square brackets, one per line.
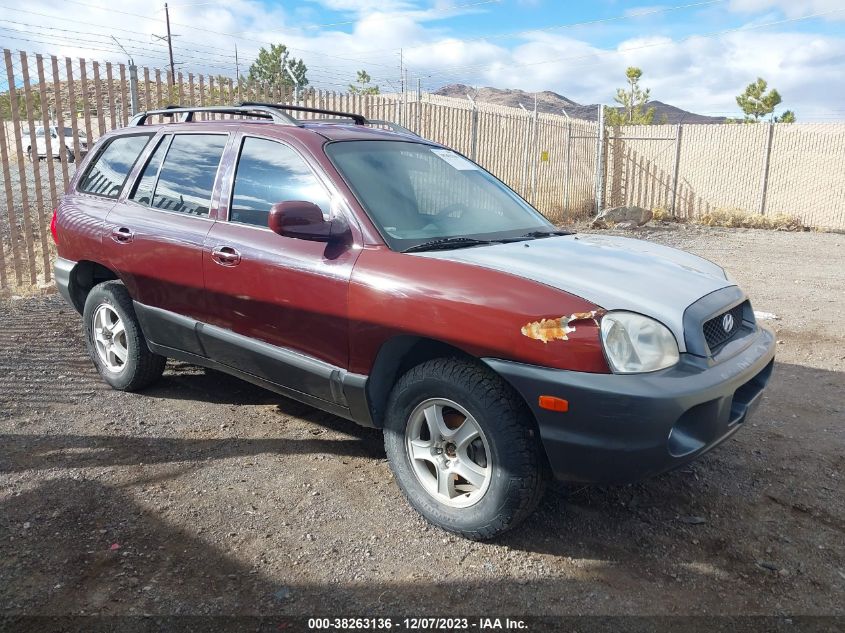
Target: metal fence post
[525, 154]
[419, 107]
[599, 161]
[473, 138]
[676, 167]
[534, 162]
[133, 88]
[766, 166]
[568, 168]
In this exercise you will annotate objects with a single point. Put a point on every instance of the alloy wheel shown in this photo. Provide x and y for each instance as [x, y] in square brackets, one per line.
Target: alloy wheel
[448, 452]
[109, 335]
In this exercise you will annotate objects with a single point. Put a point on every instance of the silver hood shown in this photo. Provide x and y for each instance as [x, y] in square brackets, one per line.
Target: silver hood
[615, 273]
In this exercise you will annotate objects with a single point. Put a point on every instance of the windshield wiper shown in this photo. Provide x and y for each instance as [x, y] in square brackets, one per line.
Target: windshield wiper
[547, 233]
[445, 243]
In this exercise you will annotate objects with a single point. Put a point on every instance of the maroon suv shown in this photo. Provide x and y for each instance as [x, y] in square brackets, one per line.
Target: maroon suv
[394, 282]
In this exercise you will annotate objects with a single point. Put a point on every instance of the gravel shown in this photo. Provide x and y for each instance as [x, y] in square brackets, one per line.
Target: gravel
[206, 495]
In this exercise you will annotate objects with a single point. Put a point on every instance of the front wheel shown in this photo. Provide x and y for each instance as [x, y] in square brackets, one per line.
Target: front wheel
[463, 449]
[115, 340]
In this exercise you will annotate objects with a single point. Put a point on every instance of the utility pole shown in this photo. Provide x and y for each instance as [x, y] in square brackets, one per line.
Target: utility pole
[169, 44]
[237, 72]
[169, 39]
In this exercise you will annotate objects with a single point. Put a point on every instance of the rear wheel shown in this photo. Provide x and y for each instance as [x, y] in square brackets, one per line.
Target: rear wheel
[115, 341]
[462, 446]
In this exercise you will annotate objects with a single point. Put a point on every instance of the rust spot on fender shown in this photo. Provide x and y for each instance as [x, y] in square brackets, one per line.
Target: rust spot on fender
[546, 330]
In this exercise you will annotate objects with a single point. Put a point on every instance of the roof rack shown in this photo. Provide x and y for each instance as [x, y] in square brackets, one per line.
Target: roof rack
[357, 118]
[259, 110]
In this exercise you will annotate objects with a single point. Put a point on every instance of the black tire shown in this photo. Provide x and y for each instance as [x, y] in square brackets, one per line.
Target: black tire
[518, 466]
[141, 367]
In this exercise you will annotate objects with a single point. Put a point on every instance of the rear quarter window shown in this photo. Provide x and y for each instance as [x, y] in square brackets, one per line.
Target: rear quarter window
[108, 172]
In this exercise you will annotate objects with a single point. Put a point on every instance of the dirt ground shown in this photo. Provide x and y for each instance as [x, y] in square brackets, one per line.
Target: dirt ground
[206, 495]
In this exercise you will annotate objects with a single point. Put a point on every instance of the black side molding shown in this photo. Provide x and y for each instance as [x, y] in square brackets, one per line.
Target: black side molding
[278, 369]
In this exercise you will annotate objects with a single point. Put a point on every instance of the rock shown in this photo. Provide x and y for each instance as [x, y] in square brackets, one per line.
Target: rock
[282, 594]
[692, 520]
[617, 215]
[626, 225]
[765, 564]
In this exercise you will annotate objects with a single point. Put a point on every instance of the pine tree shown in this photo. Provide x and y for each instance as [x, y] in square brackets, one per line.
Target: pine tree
[632, 100]
[269, 68]
[364, 79]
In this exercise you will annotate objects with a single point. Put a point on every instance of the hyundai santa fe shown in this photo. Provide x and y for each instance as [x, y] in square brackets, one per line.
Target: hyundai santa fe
[392, 281]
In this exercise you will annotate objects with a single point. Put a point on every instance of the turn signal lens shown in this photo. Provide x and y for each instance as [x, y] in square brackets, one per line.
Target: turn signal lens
[554, 404]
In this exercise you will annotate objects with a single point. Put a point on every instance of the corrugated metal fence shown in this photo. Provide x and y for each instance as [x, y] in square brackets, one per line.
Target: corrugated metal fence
[564, 167]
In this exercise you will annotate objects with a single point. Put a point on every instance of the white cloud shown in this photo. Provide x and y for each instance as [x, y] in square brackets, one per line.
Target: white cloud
[792, 8]
[702, 74]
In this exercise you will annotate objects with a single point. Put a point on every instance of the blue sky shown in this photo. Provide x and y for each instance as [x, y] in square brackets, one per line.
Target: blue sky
[696, 54]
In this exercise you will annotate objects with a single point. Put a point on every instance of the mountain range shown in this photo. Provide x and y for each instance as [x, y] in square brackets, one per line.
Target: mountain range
[553, 103]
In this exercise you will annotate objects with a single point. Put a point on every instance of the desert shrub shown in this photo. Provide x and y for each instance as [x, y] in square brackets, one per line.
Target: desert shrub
[737, 218]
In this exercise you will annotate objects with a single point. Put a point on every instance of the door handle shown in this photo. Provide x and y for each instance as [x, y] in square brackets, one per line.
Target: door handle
[122, 235]
[225, 256]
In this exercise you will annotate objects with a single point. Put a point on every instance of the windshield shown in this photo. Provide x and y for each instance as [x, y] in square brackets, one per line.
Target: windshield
[417, 193]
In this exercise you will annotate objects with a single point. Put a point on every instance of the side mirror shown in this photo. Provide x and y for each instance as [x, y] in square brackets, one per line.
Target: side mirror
[304, 221]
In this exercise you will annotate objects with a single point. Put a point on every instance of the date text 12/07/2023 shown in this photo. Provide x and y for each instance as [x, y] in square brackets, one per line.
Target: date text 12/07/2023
[416, 624]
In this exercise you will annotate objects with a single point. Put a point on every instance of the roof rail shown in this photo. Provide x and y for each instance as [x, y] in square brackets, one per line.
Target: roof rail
[390, 125]
[357, 118]
[257, 110]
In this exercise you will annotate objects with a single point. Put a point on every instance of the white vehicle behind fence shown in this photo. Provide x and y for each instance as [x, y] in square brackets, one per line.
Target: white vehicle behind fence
[56, 147]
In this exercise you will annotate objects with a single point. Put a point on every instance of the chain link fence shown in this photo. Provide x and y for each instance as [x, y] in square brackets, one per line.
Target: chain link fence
[52, 110]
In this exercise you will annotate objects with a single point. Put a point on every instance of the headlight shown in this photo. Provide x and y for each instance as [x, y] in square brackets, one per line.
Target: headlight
[635, 343]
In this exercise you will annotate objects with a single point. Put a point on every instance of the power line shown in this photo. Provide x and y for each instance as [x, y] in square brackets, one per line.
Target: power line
[256, 42]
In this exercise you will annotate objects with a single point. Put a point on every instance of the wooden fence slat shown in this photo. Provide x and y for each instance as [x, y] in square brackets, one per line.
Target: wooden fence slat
[125, 100]
[45, 121]
[60, 118]
[98, 96]
[14, 231]
[110, 93]
[36, 167]
[159, 99]
[22, 177]
[74, 118]
[202, 95]
[148, 104]
[86, 101]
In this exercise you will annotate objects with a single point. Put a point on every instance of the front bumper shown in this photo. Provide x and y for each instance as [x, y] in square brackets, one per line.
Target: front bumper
[623, 428]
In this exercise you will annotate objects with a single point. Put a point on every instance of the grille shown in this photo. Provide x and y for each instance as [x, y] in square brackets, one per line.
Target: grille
[714, 330]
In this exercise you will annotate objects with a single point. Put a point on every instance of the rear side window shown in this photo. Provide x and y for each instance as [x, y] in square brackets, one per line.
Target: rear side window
[145, 188]
[270, 172]
[109, 171]
[186, 177]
